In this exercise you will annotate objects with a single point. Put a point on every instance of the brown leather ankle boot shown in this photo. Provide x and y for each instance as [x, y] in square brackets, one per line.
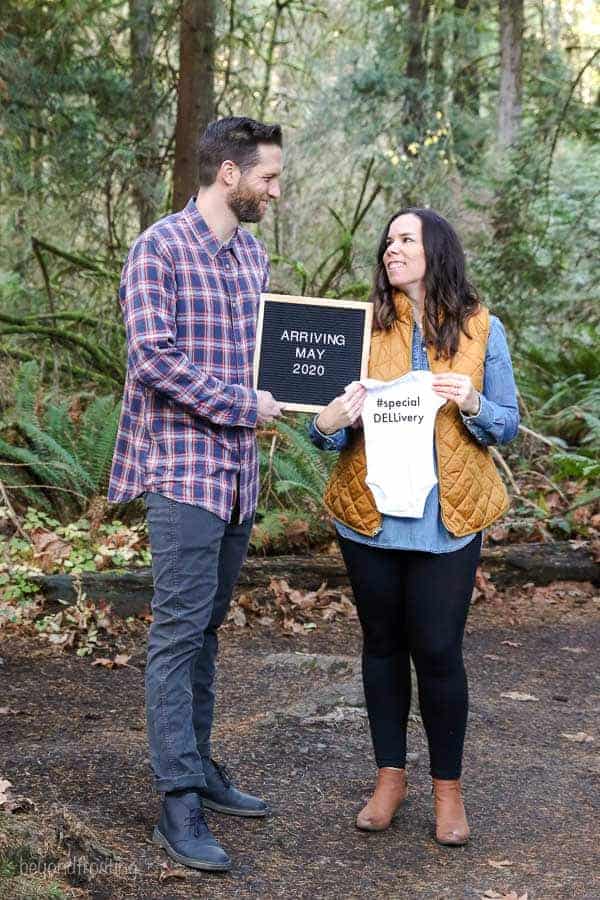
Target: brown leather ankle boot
[451, 827]
[390, 793]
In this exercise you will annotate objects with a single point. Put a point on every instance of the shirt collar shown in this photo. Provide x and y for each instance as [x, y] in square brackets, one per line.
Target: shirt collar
[207, 238]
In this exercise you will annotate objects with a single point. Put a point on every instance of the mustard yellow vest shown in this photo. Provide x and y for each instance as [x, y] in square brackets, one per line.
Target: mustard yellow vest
[472, 494]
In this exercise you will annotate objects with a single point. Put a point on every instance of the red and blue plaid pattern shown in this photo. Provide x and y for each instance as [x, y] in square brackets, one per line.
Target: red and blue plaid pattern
[190, 305]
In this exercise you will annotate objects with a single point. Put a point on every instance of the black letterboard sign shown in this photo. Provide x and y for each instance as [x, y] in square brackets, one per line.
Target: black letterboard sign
[308, 349]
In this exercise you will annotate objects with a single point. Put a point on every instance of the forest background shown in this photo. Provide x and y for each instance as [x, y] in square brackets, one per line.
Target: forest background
[486, 111]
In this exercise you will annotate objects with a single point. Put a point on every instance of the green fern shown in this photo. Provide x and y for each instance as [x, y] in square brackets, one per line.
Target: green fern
[268, 531]
[292, 476]
[59, 426]
[561, 388]
[302, 448]
[40, 470]
[26, 385]
[14, 478]
[68, 470]
[55, 453]
[97, 436]
[299, 466]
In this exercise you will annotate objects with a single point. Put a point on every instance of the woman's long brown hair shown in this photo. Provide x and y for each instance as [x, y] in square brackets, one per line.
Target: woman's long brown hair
[450, 299]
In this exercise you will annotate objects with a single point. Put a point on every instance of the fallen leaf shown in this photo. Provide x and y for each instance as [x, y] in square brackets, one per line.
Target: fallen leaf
[579, 737]
[237, 616]
[511, 644]
[492, 656]
[246, 601]
[494, 895]
[500, 863]
[168, 872]
[9, 803]
[575, 650]
[49, 549]
[484, 588]
[5, 710]
[499, 533]
[518, 695]
[17, 804]
[5, 787]
[298, 530]
[293, 626]
[121, 659]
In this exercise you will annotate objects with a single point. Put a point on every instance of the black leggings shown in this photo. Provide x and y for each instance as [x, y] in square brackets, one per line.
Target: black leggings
[413, 604]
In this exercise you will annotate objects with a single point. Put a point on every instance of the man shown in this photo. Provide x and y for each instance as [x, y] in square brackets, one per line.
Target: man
[187, 442]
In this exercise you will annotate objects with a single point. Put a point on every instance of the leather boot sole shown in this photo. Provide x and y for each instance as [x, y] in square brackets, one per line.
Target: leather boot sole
[456, 843]
[206, 866]
[234, 810]
[374, 827]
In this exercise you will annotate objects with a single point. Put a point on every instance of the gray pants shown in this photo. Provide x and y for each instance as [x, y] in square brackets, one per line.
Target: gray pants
[196, 560]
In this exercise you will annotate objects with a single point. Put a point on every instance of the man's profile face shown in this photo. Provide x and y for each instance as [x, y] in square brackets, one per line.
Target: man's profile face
[257, 186]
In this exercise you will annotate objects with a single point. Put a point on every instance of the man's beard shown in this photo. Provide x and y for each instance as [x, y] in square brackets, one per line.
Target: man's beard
[246, 205]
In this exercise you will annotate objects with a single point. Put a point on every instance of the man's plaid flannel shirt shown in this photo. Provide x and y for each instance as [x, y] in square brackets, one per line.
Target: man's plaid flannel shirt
[187, 427]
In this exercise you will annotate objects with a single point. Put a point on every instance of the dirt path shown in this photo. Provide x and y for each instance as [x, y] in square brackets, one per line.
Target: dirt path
[292, 727]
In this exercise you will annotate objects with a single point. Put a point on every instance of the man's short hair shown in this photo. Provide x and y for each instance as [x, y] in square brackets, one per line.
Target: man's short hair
[235, 138]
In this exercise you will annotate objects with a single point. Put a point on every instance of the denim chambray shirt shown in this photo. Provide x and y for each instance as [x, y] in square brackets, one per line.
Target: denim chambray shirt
[496, 423]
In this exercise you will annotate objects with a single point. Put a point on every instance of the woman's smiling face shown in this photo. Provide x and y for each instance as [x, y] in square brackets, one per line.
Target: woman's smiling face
[404, 258]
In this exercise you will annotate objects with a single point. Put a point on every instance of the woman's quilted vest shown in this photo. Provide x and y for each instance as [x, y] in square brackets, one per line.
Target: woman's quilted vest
[472, 494]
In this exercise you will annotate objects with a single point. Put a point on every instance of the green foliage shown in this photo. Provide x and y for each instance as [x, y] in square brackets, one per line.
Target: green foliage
[67, 104]
[293, 478]
[560, 386]
[296, 471]
[17, 587]
[269, 530]
[560, 383]
[378, 110]
[71, 465]
[82, 346]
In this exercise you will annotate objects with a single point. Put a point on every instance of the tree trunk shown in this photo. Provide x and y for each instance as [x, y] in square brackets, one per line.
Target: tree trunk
[468, 136]
[439, 46]
[416, 64]
[466, 50]
[195, 93]
[511, 63]
[555, 16]
[146, 183]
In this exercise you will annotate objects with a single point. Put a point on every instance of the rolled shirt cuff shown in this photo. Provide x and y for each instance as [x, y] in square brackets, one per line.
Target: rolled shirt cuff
[481, 423]
[334, 441]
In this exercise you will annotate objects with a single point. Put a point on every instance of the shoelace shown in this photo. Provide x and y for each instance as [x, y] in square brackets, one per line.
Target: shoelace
[222, 772]
[196, 822]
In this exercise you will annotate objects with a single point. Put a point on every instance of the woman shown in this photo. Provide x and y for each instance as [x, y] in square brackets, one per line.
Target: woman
[413, 578]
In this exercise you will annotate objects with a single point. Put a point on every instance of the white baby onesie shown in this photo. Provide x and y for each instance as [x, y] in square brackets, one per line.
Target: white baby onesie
[398, 418]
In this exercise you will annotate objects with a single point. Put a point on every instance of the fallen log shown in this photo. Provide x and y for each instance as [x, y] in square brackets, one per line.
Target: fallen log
[507, 565]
